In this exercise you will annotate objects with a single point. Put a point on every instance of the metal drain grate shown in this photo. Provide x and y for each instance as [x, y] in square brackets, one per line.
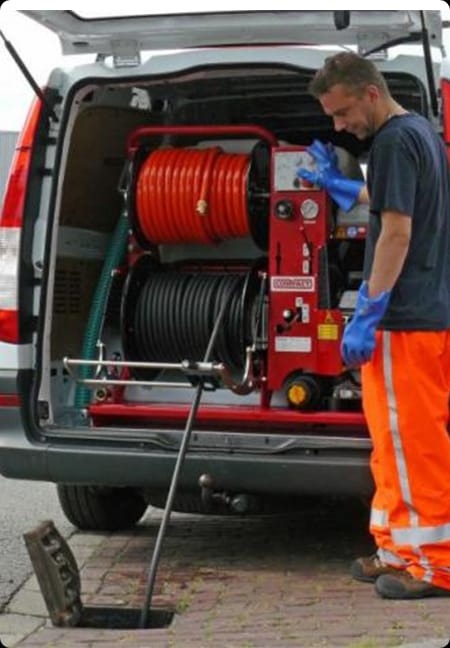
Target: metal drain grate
[59, 580]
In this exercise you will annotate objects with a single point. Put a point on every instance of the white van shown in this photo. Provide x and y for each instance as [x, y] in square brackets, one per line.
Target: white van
[156, 249]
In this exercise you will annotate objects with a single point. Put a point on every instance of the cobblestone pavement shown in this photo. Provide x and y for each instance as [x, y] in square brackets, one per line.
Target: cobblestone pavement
[254, 582]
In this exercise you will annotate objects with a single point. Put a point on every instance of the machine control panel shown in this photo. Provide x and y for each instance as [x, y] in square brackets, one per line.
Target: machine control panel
[303, 333]
[286, 164]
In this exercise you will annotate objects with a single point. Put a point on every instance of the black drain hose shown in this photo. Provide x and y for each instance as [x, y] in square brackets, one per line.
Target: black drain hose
[174, 314]
[225, 299]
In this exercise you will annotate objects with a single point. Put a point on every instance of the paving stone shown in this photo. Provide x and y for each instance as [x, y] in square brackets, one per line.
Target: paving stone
[27, 602]
[11, 640]
[32, 584]
[18, 624]
[88, 539]
[246, 583]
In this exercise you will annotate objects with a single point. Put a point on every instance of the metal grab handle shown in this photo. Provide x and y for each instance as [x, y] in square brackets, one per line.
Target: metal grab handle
[188, 367]
[204, 131]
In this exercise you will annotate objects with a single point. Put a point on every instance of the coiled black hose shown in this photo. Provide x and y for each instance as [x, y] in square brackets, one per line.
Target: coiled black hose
[173, 314]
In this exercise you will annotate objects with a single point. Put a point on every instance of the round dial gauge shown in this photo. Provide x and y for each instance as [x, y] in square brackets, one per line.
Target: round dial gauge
[309, 209]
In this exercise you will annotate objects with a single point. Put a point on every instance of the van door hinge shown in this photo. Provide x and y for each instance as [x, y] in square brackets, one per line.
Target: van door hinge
[43, 410]
[125, 53]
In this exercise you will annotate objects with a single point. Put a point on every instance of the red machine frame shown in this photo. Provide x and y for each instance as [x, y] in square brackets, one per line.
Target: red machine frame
[303, 335]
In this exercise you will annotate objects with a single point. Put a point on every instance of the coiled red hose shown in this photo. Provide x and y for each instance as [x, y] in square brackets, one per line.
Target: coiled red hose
[192, 196]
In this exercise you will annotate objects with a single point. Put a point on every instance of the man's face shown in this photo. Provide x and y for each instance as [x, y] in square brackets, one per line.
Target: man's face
[351, 112]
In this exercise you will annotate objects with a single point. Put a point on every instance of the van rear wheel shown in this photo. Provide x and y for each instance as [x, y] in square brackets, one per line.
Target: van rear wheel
[101, 508]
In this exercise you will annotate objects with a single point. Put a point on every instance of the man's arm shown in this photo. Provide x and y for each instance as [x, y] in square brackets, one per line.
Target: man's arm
[358, 341]
[363, 197]
[390, 251]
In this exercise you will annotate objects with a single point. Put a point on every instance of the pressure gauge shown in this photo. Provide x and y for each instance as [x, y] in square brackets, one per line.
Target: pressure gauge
[309, 209]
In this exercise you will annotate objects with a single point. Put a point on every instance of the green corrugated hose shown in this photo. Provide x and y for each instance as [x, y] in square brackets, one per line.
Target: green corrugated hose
[113, 259]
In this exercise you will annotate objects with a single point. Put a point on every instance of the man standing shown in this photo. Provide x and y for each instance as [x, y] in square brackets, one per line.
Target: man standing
[400, 332]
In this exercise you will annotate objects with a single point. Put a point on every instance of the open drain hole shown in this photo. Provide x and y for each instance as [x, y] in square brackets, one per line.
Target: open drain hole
[59, 580]
[123, 618]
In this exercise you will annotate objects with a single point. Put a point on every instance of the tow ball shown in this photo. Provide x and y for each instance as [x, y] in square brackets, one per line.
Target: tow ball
[238, 503]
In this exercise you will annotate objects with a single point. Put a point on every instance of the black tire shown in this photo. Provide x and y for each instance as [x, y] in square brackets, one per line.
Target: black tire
[99, 508]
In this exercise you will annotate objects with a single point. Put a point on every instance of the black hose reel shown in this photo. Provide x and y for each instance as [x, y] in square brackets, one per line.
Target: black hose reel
[168, 313]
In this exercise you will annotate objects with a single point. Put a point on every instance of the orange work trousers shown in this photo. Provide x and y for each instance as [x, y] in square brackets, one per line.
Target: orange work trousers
[406, 389]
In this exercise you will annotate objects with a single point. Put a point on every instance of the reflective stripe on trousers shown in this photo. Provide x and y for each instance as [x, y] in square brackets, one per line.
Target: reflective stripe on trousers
[406, 389]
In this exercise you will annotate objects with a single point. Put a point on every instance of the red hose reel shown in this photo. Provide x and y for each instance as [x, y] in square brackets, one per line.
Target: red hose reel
[197, 195]
[192, 196]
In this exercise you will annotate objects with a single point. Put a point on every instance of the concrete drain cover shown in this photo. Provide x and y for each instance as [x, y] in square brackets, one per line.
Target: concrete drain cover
[59, 580]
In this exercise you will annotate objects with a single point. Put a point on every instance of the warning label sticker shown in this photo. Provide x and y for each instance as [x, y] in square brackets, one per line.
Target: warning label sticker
[292, 284]
[328, 332]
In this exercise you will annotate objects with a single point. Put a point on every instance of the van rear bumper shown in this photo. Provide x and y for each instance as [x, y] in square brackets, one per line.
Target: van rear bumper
[343, 470]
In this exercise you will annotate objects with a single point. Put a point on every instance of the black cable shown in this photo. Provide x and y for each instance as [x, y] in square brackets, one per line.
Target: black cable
[178, 466]
[140, 322]
[150, 296]
[176, 311]
[221, 343]
[181, 285]
[184, 319]
[169, 340]
[199, 315]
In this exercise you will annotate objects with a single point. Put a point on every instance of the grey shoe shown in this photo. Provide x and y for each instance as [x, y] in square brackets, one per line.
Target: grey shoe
[404, 586]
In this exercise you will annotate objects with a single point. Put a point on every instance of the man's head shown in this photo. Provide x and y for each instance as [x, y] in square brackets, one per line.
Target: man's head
[353, 92]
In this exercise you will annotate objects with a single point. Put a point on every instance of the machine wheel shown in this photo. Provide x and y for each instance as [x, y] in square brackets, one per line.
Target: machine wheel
[100, 508]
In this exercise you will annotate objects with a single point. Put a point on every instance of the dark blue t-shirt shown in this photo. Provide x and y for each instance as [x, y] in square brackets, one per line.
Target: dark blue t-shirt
[408, 172]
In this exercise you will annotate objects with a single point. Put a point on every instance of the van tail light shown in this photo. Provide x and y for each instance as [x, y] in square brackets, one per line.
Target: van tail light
[11, 220]
[445, 93]
[9, 400]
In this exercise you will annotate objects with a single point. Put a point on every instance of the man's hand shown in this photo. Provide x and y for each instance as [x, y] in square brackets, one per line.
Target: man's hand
[324, 155]
[343, 190]
[358, 341]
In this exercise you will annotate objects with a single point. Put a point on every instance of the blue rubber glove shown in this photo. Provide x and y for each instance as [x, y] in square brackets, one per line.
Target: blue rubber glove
[358, 341]
[324, 155]
[343, 190]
